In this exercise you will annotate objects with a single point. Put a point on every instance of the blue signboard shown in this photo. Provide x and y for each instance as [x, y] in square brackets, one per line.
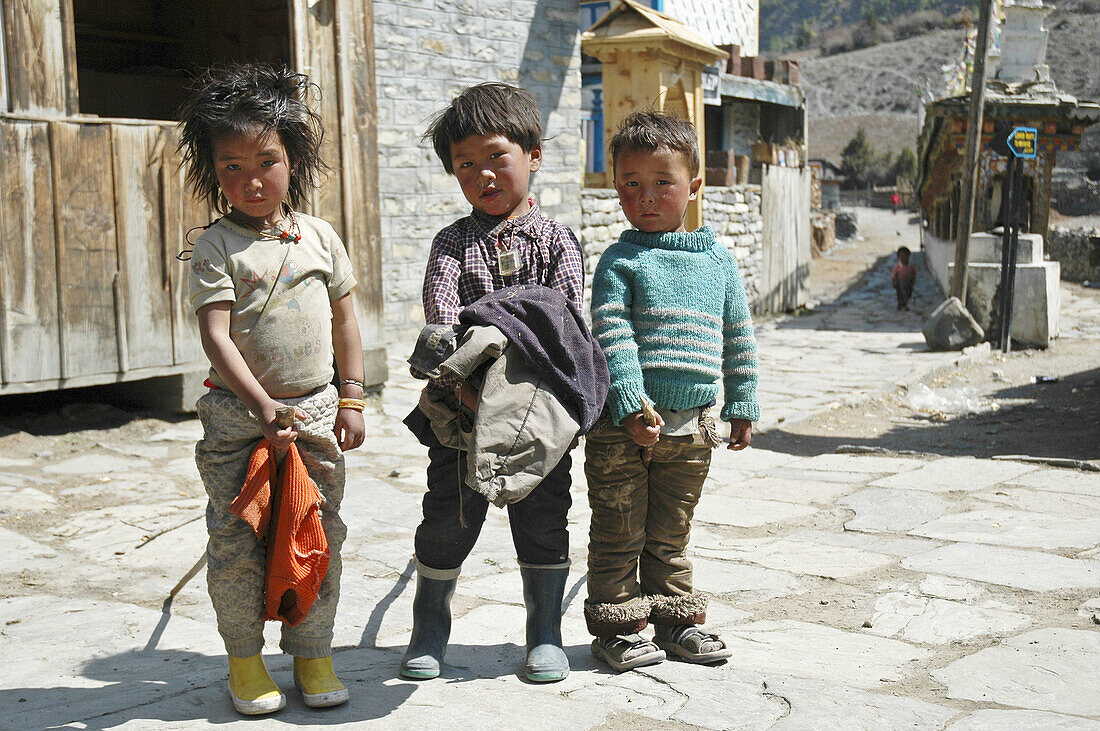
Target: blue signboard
[1024, 142]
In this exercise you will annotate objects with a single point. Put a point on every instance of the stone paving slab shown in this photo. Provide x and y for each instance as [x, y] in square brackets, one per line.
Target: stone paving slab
[1014, 528]
[870, 464]
[746, 512]
[1044, 501]
[823, 706]
[999, 720]
[1051, 669]
[806, 650]
[96, 464]
[946, 587]
[793, 473]
[121, 528]
[114, 656]
[886, 510]
[802, 492]
[889, 545]
[745, 584]
[800, 557]
[1080, 483]
[956, 473]
[1029, 570]
[25, 500]
[939, 621]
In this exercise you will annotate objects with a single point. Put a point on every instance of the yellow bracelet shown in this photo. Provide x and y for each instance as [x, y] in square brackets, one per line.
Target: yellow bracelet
[352, 403]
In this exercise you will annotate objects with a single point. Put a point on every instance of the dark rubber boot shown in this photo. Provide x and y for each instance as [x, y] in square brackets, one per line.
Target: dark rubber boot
[431, 622]
[543, 590]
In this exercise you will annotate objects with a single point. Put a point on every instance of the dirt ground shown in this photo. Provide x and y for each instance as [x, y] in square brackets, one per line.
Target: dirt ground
[1057, 417]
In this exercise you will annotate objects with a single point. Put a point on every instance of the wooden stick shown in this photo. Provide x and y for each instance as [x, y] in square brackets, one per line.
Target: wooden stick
[188, 576]
[159, 533]
[650, 417]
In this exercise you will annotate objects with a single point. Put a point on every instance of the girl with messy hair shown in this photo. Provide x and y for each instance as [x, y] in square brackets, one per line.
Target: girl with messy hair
[270, 286]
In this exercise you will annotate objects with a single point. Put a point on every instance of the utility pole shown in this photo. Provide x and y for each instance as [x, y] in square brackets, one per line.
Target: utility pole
[973, 150]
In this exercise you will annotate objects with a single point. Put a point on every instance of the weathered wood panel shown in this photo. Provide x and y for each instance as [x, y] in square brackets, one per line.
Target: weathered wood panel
[86, 254]
[29, 349]
[314, 32]
[182, 213]
[87, 259]
[359, 142]
[4, 105]
[145, 301]
[35, 37]
[785, 213]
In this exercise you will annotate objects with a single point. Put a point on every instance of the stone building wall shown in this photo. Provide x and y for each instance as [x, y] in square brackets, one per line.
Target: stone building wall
[721, 21]
[733, 213]
[426, 52]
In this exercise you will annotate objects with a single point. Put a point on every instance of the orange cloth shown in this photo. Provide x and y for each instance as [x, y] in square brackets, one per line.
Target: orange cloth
[297, 553]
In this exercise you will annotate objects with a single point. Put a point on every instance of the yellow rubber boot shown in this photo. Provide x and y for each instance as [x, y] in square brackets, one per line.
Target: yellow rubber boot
[318, 683]
[251, 687]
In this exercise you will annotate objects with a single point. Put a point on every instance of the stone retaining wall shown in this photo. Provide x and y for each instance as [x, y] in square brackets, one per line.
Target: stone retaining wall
[1077, 250]
[733, 213]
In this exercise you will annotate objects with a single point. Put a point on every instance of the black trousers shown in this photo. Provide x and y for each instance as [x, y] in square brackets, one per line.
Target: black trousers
[454, 513]
[904, 289]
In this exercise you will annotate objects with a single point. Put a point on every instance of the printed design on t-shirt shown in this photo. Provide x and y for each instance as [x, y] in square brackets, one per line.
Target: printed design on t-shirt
[288, 273]
[253, 282]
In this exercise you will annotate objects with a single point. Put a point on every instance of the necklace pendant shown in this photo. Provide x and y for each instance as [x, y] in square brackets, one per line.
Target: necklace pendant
[509, 262]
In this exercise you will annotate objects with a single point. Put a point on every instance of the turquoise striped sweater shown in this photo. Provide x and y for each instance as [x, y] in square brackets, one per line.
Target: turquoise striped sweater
[671, 315]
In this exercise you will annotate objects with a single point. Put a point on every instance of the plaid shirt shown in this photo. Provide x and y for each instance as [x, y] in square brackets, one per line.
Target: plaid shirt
[463, 267]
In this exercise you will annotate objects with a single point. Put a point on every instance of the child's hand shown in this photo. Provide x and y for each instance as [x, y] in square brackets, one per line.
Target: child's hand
[468, 395]
[350, 429]
[740, 434]
[280, 437]
[642, 433]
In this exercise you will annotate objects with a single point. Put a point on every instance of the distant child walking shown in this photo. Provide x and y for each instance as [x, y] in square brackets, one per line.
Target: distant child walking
[670, 311]
[490, 139]
[903, 276]
[270, 286]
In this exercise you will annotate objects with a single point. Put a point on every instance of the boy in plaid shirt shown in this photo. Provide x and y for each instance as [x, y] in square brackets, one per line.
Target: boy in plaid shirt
[490, 139]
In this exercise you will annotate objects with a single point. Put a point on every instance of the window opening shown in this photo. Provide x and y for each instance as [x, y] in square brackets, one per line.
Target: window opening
[135, 58]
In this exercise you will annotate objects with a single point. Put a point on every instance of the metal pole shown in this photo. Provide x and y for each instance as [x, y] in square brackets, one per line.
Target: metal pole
[973, 149]
[1017, 205]
[1008, 194]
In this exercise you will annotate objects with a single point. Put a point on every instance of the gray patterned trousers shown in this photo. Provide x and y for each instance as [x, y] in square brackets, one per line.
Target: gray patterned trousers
[235, 557]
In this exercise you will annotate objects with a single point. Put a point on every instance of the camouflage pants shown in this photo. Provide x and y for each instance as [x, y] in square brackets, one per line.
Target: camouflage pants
[638, 570]
[236, 559]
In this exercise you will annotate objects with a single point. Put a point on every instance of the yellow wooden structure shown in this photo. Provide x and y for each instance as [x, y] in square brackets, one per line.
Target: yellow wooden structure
[93, 208]
[649, 60]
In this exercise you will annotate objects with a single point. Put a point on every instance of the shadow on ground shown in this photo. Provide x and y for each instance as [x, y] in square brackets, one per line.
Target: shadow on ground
[1060, 419]
[52, 413]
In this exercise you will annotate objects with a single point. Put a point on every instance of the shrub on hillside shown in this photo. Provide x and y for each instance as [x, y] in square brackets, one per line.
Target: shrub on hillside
[837, 40]
[921, 22]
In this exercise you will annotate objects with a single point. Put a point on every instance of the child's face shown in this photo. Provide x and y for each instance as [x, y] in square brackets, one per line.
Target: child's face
[903, 257]
[655, 188]
[495, 173]
[254, 174]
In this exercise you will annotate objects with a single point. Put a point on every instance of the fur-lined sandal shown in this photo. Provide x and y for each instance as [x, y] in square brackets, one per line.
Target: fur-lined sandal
[626, 652]
[688, 642]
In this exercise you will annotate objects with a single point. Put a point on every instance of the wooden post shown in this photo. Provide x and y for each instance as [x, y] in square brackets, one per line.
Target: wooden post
[973, 153]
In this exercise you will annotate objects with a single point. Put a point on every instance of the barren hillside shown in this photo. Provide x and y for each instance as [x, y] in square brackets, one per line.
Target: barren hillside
[877, 86]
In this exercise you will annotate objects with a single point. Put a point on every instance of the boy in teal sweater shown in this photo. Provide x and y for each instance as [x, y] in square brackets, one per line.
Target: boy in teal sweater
[670, 311]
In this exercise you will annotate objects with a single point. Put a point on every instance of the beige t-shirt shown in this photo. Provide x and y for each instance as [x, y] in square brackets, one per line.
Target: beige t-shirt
[281, 319]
